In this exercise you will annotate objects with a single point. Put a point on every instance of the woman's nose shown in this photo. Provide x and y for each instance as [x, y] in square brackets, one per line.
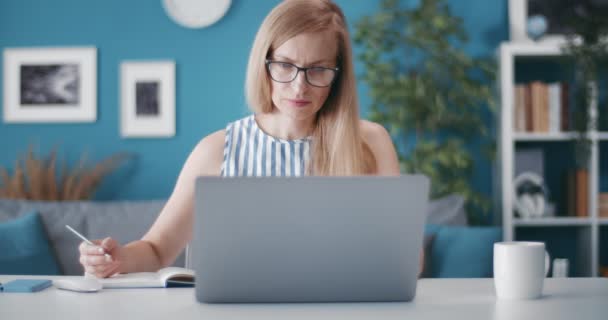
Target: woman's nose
[300, 81]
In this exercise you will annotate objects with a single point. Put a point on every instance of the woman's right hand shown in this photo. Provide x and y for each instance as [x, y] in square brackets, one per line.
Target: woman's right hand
[95, 261]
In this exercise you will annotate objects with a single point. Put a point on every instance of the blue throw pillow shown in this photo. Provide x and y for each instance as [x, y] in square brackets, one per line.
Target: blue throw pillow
[25, 249]
[463, 252]
[430, 231]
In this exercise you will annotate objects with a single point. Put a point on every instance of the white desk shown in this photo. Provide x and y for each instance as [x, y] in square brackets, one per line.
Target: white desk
[442, 299]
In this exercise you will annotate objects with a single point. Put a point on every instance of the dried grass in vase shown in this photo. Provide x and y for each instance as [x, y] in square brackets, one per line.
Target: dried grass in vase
[37, 178]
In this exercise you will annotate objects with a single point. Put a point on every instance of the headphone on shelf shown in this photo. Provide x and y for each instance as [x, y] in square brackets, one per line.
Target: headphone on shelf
[529, 195]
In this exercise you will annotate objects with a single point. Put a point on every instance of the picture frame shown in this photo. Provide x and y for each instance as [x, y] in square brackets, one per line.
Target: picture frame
[147, 99]
[50, 84]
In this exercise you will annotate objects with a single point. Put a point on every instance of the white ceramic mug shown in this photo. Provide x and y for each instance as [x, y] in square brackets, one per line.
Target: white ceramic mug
[520, 269]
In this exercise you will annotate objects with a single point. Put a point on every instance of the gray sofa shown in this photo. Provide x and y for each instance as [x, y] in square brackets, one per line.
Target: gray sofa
[129, 220]
[125, 221]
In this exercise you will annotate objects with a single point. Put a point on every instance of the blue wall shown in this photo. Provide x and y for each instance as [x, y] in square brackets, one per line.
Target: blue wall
[211, 66]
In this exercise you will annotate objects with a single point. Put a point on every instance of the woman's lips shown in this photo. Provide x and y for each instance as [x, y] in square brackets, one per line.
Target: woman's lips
[298, 102]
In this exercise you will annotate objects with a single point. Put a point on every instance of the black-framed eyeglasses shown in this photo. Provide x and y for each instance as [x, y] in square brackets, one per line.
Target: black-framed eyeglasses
[285, 72]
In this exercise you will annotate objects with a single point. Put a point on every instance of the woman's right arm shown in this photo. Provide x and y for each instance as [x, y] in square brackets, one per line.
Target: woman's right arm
[171, 231]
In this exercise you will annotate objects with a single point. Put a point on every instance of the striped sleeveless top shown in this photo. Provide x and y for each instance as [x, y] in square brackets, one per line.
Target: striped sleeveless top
[249, 151]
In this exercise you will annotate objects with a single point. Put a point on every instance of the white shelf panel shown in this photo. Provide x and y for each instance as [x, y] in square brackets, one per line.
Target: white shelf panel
[556, 136]
[545, 47]
[531, 49]
[552, 222]
[603, 221]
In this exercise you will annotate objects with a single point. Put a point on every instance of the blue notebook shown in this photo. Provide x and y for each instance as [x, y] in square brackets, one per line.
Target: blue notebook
[26, 285]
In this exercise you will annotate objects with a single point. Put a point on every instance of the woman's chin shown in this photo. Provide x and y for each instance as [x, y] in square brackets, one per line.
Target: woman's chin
[301, 110]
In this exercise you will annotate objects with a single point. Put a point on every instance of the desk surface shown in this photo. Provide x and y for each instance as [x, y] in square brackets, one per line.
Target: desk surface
[442, 299]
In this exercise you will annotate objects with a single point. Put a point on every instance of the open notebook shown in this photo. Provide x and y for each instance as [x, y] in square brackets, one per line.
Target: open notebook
[163, 278]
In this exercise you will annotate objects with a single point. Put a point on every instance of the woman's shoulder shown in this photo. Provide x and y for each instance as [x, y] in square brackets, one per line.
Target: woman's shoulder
[380, 143]
[214, 140]
[373, 133]
[209, 152]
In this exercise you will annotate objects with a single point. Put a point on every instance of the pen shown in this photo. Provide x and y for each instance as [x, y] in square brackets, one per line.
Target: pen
[83, 238]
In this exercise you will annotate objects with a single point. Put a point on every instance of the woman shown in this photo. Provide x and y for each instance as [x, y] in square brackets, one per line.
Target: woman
[301, 88]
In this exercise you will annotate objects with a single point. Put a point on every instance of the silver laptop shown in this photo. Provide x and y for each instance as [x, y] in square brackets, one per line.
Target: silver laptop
[308, 239]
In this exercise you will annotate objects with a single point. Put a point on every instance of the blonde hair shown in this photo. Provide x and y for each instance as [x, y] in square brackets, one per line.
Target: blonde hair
[337, 147]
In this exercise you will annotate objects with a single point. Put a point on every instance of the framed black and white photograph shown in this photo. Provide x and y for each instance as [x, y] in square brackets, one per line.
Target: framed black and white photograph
[50, 84]
[147, 99]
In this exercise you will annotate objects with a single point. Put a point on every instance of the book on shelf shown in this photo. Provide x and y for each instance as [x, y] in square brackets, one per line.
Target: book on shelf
[582, 193]
[603, 205]
[519, 116]
[564, 106]
[540, 107]
[554, 102]
[577, 193]
[528, 108]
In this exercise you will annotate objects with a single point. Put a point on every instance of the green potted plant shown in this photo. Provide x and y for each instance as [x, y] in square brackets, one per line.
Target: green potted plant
[587, 45]
[424, 86]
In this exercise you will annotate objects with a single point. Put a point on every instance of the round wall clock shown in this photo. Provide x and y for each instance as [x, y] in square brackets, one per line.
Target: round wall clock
[196, 13]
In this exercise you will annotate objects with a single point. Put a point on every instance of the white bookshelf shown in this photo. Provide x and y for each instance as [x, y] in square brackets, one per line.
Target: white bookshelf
[588, 228]
[561, 136]
[552, 222]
